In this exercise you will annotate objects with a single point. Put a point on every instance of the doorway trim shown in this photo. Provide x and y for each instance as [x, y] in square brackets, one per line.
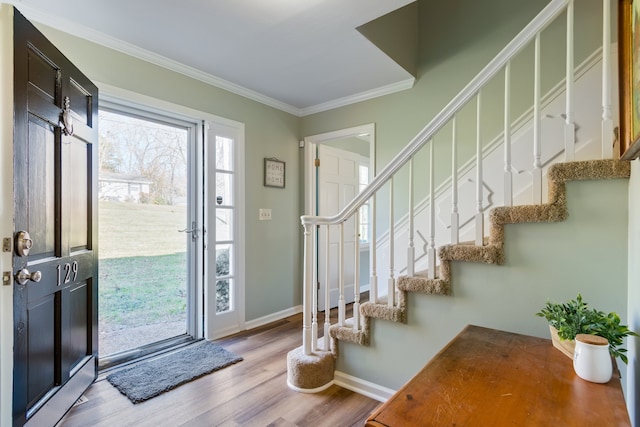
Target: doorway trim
[6, 210]
[310, 148]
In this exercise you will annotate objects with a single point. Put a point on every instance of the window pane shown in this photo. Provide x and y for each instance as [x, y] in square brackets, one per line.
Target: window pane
[224, 189]
[224, 153]
[224, 263]
[224, 283]
[364, 174]
[223, 295]
[224, 224]
[364, 223]
[364, 214]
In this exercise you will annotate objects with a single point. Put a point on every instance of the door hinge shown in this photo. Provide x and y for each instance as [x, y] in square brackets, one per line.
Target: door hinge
[317, 163]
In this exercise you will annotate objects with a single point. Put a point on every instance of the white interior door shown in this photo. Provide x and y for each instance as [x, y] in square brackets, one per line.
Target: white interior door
[338, 184]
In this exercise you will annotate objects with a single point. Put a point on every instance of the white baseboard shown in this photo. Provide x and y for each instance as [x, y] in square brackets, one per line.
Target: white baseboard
[360, 386]
[261, 321]
[273, 317]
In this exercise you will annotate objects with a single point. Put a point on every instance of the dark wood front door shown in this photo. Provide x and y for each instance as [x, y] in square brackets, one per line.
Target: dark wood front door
[55, 257]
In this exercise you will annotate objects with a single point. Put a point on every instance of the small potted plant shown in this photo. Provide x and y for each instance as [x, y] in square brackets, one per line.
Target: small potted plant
[566, 320]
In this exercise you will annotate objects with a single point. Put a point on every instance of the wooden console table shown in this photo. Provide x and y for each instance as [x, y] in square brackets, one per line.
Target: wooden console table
[486, 377]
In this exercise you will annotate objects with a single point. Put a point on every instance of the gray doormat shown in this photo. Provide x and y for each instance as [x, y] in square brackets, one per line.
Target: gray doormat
[149, 378]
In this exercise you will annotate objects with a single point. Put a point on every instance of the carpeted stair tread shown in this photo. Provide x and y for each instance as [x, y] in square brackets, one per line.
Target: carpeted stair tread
[397, 313]
[422, 284]
[348, 334]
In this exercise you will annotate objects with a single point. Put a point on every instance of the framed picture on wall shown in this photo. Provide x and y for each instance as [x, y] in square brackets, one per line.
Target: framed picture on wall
[274, 173]
[629, 69]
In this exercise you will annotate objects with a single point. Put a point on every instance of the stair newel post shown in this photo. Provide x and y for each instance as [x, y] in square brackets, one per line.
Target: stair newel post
[537, 127]
[373, 264]
[327, 291]
[431, 250]
[341, 300]
[569, 127]
[307, 289]
[411, 249]
[607, 123]
[356, 272]
[508, 173]
[391, 283]
[314, 294]
[455, 216]
[479, 217]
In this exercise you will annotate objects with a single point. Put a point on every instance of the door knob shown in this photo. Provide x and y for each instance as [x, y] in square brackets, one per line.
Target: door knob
[23, 276]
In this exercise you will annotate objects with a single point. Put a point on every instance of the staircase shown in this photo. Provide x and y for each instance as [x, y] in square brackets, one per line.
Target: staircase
[493, 252]
[311, 367]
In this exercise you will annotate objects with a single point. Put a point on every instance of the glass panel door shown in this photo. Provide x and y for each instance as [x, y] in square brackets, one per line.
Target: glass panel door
[224, 294]
[147, 232]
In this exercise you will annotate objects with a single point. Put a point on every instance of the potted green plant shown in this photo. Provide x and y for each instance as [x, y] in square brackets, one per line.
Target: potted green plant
[568, 319]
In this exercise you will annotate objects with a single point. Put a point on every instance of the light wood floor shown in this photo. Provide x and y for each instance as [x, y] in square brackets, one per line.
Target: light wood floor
[253, 392]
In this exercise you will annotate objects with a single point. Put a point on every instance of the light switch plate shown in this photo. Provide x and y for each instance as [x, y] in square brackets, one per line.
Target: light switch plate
[264, 214]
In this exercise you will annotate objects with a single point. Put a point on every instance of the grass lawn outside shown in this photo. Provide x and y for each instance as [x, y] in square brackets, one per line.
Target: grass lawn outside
[138, 291]
[142, 268]
[137, 229]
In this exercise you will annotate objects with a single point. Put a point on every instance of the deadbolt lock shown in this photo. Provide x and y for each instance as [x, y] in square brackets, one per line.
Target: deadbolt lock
[23, 243]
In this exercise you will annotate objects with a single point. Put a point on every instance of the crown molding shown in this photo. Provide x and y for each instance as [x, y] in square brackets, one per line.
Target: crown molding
[84, 32]
[359, 97]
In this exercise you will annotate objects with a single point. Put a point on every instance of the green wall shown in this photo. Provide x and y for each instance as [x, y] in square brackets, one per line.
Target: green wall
[273, 261]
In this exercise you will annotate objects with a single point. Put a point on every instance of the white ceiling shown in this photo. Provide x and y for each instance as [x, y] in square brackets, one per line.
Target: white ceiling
[301, 56]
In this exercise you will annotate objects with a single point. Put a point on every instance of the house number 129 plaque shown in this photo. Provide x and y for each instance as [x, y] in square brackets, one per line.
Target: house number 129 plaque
[65, 271]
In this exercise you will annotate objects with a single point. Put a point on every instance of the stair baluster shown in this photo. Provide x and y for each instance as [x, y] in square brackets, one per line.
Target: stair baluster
[327, 290]
[455, 215]
[373, 259]
[607, 123]
[341, 300]
[391, 282]
[314, 294]
[411, 251]
[308, 288]
[431, 250]
[479, 217]
[356, 272]
[569, 126]
[508, 173]
[537, 127]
